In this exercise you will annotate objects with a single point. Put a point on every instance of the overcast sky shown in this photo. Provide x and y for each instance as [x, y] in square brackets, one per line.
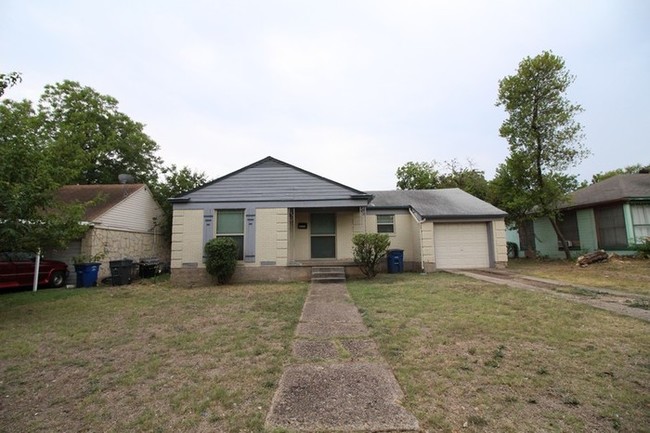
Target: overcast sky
[349, 90]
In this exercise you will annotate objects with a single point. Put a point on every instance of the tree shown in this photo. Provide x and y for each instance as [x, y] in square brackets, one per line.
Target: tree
[543, 136]
[30, 215]
[9, 80]
[469, 179]
[425, 175]
[175, 183]
[91, 140]
[630, 169]
[418, 175]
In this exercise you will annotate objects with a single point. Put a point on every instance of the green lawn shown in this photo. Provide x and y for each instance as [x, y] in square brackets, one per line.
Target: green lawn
[144, 358]
[472, 356]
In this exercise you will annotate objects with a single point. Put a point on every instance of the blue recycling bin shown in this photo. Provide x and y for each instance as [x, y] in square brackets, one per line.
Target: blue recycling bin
[395, 261]
[86, 274]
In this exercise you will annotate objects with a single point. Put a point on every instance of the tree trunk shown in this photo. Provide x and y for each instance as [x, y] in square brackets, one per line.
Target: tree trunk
[596, 256]
[560, 236]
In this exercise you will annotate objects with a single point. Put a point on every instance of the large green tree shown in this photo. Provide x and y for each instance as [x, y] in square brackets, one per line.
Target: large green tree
[469, 179]
[418, 175]
[91, 140]
[30, 215]
[544, 139]
[9, 80]
[175, 181]
[630, 169]
[449, 174]
[74, 135]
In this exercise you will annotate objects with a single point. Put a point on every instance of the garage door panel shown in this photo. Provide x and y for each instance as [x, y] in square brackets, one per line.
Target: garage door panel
[461, 245]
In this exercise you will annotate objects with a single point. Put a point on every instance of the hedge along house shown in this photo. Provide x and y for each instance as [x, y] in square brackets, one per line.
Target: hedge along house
[613, 215]
[123, 223]
[286, 220]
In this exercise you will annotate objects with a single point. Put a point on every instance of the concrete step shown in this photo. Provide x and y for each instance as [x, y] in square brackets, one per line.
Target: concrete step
[329, 274]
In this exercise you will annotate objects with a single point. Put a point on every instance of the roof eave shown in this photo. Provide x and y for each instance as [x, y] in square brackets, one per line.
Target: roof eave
[464, 217]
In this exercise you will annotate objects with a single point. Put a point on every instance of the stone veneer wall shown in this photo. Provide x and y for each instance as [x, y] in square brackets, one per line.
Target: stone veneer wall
[118, 244]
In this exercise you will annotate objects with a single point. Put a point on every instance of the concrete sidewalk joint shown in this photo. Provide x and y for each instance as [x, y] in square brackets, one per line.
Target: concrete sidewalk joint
[338, 381]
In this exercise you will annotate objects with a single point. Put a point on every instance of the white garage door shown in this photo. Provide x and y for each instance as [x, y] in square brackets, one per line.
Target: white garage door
[462, 245]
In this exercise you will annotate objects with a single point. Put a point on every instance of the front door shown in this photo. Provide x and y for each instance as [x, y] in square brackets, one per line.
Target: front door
[323, 236]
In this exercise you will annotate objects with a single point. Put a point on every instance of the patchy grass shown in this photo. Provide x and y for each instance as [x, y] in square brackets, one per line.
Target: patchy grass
[144, 357]
[478, 357]
[625, 274]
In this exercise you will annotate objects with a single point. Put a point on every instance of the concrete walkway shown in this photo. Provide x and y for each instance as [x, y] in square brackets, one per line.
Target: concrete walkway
[338, 381]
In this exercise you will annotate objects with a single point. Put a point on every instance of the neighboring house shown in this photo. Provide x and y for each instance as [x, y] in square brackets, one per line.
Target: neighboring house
[286, 220]
[123, 223]
[613, 215]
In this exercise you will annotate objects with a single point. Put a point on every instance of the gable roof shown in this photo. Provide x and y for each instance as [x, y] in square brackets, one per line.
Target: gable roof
[623, 187]
[436, 203]
[110, 196]
[271, 180]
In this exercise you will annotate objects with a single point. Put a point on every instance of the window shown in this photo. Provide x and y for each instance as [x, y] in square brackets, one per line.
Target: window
[641, 221]
[568, 224]
[230, 224]
[385, 223]
[610, 227]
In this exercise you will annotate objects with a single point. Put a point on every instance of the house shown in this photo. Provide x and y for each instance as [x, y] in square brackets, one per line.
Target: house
[123, 223]
[613, 215]
[286, 220]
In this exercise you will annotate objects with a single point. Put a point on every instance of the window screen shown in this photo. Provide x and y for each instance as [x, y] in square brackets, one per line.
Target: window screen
[230, 224]
[385, 224]
[568, 223]
[610, 226]
[641, 221]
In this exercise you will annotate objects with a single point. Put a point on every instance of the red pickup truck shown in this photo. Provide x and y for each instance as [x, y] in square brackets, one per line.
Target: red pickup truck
[17, 270]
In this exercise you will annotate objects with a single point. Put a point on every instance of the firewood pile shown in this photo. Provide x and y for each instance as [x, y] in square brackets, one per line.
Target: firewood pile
[595, 257]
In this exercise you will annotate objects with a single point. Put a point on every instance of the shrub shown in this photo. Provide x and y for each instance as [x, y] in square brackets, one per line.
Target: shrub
[221, 258]
[643, 248]
[368, 249]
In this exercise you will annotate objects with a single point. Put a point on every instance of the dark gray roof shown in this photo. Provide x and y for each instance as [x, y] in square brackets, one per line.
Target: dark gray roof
[436, 203]
[272, 180]
[623, 187]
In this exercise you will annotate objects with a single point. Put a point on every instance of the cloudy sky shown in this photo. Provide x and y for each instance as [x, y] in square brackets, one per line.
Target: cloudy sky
[349, 89]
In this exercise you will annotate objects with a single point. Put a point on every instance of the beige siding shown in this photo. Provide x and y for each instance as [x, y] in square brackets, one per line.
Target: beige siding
[271, 236]
[500, 244]
[135, 213]
[406, 235]
[187, 238]
[344, 233]
[302, 239]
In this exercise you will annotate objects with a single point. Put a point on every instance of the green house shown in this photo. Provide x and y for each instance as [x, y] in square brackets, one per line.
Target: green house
[613, 215]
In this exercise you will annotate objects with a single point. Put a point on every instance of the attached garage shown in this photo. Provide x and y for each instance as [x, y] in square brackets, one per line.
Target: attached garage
[461, 245]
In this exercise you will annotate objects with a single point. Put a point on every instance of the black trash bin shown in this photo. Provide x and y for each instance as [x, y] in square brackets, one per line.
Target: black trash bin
[121, 271]
[395, 261]
[149, 267]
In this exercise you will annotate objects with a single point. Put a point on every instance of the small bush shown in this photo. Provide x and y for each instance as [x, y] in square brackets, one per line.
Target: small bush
[221, 258]
[643, 248]
[368, 249]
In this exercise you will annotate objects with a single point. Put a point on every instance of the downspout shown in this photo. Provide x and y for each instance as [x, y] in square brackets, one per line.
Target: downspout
[417, 220]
